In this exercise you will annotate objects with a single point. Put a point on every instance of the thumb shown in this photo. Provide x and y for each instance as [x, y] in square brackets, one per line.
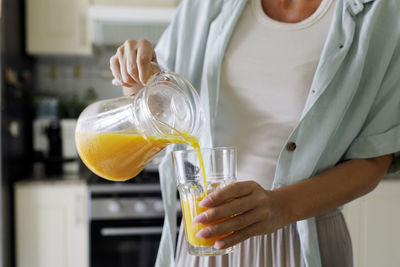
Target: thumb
[131, 90]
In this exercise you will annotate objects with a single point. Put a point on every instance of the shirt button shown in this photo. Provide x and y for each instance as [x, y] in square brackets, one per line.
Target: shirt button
[291, 146]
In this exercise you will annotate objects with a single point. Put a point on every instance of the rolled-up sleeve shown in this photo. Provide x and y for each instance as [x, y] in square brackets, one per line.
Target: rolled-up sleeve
[380, 134]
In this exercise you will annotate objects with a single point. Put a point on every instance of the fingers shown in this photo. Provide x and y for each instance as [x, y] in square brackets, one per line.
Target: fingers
[145, 54]
[231, 225]
[239, 236]
[127, 75]
[155, 68]
[236, 206]
[132, 64]
[131, 55]
[131, 90]
[115, 68]
[229, 192]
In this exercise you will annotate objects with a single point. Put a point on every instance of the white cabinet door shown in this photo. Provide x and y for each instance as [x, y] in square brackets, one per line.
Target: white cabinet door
[57, 27]
[171, 3]
[374, 225]
[51, 225]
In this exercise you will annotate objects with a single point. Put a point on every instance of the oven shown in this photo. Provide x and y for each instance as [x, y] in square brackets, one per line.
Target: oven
[126, 221]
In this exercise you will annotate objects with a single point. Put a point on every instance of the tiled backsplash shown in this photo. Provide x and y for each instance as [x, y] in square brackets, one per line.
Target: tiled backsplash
[66, 75]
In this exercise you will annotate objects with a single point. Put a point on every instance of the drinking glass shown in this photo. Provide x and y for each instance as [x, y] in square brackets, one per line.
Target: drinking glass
[219, 170]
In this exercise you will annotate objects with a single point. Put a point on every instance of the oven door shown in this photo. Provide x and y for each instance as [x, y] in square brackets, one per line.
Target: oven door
[123, 243]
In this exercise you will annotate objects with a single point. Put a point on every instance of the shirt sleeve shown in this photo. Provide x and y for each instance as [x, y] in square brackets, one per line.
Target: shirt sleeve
[185, 34]
[380, 134]
[166, 45]
[182, 46]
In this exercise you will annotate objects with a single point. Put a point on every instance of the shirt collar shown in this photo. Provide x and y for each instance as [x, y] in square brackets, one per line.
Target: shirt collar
[356, 6]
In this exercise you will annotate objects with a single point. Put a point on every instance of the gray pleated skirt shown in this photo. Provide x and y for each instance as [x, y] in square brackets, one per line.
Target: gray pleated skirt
[280, 249]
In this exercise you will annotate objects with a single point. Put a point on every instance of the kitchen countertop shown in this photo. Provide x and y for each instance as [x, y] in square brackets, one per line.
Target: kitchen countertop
[392, 176]
[62, 179]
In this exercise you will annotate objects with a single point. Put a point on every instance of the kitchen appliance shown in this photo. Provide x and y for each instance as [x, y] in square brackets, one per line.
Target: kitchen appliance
[69, 152]
[54, 145]
[54, 156]
[125, 222]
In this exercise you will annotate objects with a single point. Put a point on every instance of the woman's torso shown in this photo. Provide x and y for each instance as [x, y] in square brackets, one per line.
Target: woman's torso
[266, 75]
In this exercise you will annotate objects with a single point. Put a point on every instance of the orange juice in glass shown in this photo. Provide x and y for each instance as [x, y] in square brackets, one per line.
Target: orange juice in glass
[220, 169]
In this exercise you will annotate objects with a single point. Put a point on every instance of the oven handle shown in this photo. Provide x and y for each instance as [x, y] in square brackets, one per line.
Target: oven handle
[124, 231]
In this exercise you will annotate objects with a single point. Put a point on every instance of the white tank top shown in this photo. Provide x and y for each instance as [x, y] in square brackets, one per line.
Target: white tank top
[266, 75]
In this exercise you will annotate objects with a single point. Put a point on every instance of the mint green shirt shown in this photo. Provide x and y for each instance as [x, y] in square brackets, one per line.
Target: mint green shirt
[352, 110]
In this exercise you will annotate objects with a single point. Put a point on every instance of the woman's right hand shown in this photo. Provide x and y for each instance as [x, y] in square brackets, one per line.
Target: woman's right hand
[133, 64]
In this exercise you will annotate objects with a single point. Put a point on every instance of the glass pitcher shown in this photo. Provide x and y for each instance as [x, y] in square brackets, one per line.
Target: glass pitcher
[116, 138]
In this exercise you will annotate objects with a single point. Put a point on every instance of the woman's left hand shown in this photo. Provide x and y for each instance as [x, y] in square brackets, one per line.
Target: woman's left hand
[253, 211]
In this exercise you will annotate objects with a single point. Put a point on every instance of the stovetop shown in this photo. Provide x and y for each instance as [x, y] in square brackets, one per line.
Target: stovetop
[145, 177]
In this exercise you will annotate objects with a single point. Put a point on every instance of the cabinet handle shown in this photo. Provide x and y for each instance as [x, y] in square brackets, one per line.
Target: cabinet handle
[126, 231]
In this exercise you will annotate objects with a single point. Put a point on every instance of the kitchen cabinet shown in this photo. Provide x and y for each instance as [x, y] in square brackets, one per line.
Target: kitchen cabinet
[112, 25]
[171, 3]
[51, 224]
[374, 222]
[57, 27]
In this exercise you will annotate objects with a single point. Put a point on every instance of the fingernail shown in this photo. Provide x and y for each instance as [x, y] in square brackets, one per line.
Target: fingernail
[206, 202]
[116, 82]
[219, 244]
[203, 233]
[200, 218]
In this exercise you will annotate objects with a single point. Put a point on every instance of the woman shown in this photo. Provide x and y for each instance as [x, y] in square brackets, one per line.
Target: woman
[309, 93]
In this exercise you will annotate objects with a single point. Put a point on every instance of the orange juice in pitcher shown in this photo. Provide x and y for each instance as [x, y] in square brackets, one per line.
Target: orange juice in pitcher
[119, 156]
[116, 138]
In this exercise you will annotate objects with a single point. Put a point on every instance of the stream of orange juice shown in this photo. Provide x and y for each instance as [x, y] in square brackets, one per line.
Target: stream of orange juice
[119, 156]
